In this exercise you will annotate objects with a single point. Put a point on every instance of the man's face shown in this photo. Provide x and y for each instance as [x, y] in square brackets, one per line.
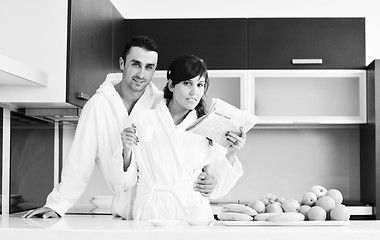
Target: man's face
[138, 68]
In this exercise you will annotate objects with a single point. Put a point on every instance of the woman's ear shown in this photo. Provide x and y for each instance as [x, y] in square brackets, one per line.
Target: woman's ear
[121, 64]
[170, 85]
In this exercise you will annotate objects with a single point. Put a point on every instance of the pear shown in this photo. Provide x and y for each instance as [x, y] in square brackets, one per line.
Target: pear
[274, 207]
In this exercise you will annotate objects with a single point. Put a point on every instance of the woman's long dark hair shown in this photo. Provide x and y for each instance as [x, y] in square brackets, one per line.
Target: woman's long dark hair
[182, 69]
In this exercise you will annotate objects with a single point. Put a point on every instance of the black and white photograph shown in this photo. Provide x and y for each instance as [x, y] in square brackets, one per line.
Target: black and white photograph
[171, 119]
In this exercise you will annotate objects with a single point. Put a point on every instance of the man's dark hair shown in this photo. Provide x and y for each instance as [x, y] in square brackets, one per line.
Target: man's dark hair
[140, 41]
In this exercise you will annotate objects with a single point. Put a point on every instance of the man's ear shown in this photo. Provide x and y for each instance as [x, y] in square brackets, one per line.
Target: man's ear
[121, 64]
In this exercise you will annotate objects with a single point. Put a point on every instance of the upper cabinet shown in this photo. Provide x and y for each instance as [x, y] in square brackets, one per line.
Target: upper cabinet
[75, 43]
[222, 43]
[97, 35]
[89, 48]
[306, 43]
[307, 96]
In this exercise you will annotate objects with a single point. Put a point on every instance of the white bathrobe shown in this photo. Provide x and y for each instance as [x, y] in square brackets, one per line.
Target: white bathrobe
[168, 165]
[97, 137]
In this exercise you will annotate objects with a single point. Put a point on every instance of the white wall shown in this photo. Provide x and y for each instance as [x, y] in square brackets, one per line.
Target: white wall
[259, 8]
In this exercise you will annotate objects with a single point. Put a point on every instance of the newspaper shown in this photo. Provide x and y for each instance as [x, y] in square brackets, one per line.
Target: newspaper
[221, 118]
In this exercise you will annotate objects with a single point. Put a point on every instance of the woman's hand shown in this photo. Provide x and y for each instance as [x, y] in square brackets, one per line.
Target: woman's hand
[205, 184]
[236, 140]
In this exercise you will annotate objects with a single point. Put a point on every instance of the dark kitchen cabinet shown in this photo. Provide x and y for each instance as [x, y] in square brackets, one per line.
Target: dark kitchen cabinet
[96, 34]
[370, 141]
[222, 43]
[1, 151]
[306, 43]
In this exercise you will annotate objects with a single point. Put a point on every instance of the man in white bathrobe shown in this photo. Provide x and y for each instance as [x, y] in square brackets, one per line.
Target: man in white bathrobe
[98, 133]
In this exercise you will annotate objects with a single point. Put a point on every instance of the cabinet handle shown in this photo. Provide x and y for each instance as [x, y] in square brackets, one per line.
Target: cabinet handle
[307, 61]
[306, 123]
[83, 96]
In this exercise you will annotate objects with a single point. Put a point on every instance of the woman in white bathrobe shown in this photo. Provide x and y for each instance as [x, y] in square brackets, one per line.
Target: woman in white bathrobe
[166, 167]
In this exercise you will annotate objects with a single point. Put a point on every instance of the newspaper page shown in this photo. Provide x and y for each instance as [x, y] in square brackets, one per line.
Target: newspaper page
[221, 118]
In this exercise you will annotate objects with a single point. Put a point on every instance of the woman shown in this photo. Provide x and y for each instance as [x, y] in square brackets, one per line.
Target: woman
[166, 167]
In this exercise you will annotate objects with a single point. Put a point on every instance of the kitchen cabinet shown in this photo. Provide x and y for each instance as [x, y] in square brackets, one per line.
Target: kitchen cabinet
[96, 39]
[225, 84]
[307, 96]
[75, 43]
[370, 141]
[222, 43]
[306, 43]
[1, 151]
[89, 48]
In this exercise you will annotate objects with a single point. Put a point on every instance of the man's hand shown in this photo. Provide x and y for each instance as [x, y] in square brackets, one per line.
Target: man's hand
[205, 184]
[43, 212]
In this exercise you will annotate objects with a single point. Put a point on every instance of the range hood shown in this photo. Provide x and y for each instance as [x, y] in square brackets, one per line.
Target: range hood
[15, 73]
[70, 115]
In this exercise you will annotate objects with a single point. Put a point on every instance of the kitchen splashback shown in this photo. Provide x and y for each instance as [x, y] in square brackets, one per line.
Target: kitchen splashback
[31, 162]
[285, 162]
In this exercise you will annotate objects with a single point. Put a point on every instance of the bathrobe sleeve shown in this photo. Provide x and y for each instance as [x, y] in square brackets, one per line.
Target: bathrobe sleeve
[225, 172]
[79, 165]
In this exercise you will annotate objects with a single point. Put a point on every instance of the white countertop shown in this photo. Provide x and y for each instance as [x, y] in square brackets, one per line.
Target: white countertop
[108, 227]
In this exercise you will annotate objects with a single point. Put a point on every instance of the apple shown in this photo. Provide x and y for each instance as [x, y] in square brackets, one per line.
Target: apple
[336, 195]
[257, 205]
[340, 213]
[304, 209]
[318, 190]
[326, 202]
[309, 198]
[274, 207]
[316, 213]
[290, 205]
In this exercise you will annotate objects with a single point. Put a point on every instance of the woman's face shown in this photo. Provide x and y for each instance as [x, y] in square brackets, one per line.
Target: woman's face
[187, 94]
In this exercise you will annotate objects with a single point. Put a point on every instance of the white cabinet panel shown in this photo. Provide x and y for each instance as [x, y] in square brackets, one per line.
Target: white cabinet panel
[224, 84]
[13, 72]
[307, 96]
[36, 36]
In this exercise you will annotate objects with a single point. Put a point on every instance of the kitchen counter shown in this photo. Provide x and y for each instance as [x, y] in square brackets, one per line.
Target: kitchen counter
[109, 227]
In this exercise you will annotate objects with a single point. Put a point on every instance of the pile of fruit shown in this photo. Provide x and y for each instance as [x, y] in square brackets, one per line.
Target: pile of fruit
[317, 204]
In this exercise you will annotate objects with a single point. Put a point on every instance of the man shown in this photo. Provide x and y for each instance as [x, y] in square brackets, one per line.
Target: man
[98, 133]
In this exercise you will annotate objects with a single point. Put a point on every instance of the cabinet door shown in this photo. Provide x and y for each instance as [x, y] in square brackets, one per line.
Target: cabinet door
[120, 37]
[370, 142]
[307, 96]
[89, 48]
[222, 43]
[329, 43]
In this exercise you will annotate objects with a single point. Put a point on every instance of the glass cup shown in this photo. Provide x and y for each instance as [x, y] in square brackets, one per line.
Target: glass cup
[145, 132]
